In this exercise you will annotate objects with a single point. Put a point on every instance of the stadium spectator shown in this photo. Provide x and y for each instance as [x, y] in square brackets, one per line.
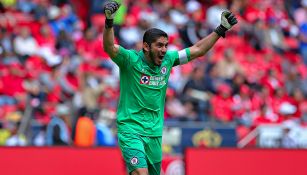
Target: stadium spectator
[228, 66]
[16, 138]
[243, 109]
[24, 44]
[58, 129]
[303, 41]
[300, 103]
[195, 92]
[214, 11]
[105, 133]
[175, 109]
[221, 104]
[85, 132]
[265, 116]
[300, 14]
[289, 140]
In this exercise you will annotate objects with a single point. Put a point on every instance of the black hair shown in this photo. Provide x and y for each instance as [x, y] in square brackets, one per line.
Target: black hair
[152, 34]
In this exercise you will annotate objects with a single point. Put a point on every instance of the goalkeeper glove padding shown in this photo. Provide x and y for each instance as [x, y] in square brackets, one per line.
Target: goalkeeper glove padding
[109, 10]
[227, 21]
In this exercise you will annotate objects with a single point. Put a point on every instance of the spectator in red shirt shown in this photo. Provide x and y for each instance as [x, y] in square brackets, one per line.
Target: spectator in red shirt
[242, 106]
[90, 46]
[282, 104]
[12, 92]
[13, 81]
[45, 37]
[272, 81]
[265, 116]
[300, 102]
[251, 68]
[50, 81]
[222, 104]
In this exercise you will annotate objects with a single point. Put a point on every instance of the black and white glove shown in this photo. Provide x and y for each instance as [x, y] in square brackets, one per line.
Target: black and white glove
[227, 21]
[109, 10]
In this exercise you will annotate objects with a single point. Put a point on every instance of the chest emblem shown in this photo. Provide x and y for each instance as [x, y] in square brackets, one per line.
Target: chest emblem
[163, 70]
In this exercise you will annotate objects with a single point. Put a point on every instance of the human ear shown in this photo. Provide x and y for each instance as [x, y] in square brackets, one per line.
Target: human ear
[146, 47]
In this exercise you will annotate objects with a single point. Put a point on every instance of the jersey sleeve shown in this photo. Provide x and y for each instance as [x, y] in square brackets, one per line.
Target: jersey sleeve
[122, 57]
[180, 57]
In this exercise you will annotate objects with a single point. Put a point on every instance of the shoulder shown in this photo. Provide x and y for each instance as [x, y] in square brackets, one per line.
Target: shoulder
[172, 53]
[123, 52]
[132, 55]
[134, 52]
[135, 55]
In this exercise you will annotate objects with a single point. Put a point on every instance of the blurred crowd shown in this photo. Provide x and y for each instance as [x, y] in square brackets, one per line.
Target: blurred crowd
[59, 87]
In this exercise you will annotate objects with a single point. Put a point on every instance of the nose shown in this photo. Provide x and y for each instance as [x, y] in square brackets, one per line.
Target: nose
[164, 49]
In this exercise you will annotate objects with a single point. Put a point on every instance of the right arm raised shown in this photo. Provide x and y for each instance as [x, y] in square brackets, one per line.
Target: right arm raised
[108, 42]
[110, 9]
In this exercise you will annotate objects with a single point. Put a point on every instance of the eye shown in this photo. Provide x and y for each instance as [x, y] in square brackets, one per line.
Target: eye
[160, 45]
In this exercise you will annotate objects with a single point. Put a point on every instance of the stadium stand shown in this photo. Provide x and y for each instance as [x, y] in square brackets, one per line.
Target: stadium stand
[51, 56]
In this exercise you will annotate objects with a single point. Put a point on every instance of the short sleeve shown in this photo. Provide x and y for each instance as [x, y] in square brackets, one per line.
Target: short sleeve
[122, 57]
[180, 57]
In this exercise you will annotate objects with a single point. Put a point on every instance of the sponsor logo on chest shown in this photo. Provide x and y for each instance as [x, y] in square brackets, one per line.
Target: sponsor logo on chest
[153, 80]
[145, 79]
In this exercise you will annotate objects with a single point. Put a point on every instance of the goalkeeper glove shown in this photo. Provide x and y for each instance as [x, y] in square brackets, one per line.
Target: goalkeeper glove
[109, 10]
[227, 21]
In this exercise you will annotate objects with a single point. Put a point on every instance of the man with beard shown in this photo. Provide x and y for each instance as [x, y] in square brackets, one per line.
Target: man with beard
[143, 82]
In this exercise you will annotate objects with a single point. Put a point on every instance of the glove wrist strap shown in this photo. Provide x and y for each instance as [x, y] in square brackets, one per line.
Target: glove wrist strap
[108, 23]
[221, 30]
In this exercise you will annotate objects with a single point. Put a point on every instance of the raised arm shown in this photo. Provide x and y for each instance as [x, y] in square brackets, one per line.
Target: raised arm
[110, 9]
[204, 45]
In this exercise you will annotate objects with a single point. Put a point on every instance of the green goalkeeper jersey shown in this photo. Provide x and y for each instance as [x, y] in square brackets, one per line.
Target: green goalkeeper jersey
[143, 89]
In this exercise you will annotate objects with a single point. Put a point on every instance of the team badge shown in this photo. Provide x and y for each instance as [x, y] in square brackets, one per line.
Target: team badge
[134, 161]
[163, 70]
[144, 79]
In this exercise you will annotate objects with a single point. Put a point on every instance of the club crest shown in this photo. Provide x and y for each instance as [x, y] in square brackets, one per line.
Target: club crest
[163, 70]
[134, 161]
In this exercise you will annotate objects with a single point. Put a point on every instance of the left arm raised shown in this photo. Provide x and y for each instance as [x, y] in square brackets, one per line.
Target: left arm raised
[204, 45]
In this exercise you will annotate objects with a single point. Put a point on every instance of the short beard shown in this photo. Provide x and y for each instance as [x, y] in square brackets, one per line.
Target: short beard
[152, 57]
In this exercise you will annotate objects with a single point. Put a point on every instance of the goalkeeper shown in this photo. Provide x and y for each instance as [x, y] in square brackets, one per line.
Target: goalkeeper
[143, 82]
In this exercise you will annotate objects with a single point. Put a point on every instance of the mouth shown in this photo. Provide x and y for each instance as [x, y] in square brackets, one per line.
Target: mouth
[160, 59]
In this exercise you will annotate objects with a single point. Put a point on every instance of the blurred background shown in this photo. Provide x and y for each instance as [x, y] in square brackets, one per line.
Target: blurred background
[59, 87]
